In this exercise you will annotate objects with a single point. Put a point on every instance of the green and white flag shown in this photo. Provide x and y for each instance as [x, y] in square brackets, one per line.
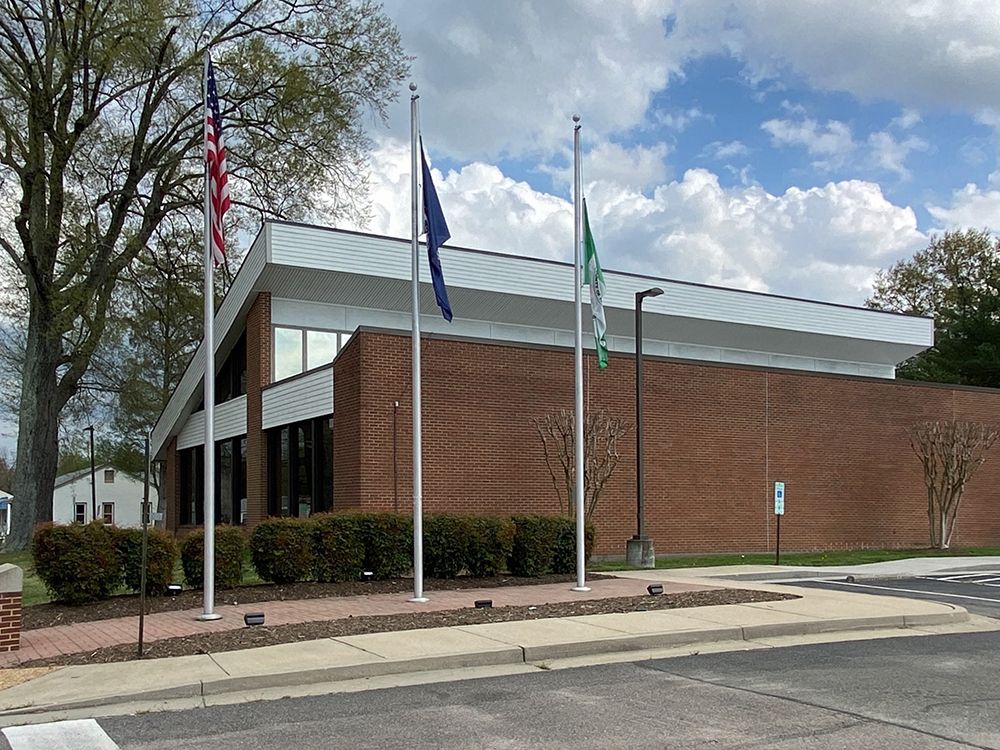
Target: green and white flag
[593, 275]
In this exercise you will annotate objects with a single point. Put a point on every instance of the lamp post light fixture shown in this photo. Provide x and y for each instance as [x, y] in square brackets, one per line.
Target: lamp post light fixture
[639, 550]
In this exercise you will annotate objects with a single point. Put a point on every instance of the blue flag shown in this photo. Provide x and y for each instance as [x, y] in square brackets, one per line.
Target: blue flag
[437, 232]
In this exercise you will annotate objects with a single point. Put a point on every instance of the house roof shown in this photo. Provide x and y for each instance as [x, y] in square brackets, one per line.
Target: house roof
[70, 477]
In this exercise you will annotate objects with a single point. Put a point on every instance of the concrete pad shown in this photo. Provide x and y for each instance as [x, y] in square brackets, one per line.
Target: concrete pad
[657, 621]
[435, 648]
[96, 684]
[742, 615]
[559, 638]
[288, 663]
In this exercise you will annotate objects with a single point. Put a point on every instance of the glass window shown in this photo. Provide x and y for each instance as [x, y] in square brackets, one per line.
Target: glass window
[303, 468]
[321, 347]
[192, 485]
[109, 476]
[287, 352]
[285, 475]
[4, 520]
[242, 486]
[108, 513]
[224, 455]
[80, 512]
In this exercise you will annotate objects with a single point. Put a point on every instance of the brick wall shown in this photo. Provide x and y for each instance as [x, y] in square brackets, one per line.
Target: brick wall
[258, 376]
[10, 621]
[716, 439]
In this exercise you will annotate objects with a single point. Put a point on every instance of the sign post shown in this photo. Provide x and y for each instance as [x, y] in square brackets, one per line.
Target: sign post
[779, 511]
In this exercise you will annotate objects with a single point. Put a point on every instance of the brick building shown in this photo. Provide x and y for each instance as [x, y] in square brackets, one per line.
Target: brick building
[741, 390]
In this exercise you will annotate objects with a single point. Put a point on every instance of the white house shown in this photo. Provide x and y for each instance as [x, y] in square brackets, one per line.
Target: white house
[119, 497]
[5, 503]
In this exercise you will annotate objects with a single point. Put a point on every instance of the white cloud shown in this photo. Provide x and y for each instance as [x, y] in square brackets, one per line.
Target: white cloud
[971, 207]
[681, 120]
[925, 53]
[823, 242]
[890, 154]
[906, 120]
[503, 78]
[637, 167]
[722, 150]
[830, 145]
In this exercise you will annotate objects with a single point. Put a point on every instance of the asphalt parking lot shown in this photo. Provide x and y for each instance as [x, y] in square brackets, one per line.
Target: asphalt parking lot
[976, 590]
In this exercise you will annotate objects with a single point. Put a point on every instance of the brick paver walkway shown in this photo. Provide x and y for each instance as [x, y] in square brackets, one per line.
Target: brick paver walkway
[90, 636]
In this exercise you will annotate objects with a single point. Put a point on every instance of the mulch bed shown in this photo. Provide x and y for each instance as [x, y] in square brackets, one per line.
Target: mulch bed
[53, 613]
[234, 640]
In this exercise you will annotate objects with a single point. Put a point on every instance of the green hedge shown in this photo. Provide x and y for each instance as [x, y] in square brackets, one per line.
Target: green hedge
[446, 545]
[230, 550]
[388, 542]
[338, 547]
[77, 563]
[161, 556]
[490, 542]
[282, 549]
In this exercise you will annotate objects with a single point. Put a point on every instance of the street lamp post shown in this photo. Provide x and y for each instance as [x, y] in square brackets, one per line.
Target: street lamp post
[639, 550]
[93, 486]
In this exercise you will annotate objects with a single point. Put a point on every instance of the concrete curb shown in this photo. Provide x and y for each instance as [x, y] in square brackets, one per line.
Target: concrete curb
[502, 654]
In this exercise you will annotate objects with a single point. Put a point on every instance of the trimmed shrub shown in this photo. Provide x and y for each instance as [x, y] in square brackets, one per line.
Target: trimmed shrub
[282, 549]
[161, 556]
[78, 563]
[388, 541]
[564, 551]
[230, 550]
[338, 547]
[445, 544]
[534, 542]
[490, 542]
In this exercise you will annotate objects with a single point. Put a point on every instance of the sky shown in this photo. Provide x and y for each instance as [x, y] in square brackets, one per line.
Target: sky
[794, 148]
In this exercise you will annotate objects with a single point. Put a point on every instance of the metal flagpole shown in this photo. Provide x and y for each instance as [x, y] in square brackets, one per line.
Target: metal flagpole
[581, 560]
[415, 203]
[208, 584]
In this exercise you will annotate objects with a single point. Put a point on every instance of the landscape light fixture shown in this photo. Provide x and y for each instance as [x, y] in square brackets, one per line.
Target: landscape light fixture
[484, 603]
[655, 589]
[173, 589]
[253, 618]
[367, 575]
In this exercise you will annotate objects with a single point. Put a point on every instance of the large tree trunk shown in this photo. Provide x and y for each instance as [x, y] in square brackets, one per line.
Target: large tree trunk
[38, 432]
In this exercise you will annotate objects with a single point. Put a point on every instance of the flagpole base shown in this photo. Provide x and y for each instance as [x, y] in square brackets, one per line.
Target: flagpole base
[418, 599]
[208, 616]
[581, 588]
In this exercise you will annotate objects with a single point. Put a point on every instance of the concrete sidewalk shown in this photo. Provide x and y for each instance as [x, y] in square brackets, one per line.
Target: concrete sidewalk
[45, 643]
[518, 645]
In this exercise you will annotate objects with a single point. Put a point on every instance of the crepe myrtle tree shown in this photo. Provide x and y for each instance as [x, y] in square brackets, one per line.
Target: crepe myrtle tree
[950, 451]
[601, 433]
[101, 130]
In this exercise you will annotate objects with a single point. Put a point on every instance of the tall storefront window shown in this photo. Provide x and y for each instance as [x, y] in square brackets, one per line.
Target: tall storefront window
[300, 469]
[230, 483]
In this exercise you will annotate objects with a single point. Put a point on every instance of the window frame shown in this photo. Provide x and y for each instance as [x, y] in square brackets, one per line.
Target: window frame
[304, 331]
[104, 513]
[78, 516]
[109, 473]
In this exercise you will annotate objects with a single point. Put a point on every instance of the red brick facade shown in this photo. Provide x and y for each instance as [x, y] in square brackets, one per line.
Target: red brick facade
[10, 621]
[716, 439]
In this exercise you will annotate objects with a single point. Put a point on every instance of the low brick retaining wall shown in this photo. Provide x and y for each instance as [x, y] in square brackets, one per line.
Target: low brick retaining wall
[11, 581]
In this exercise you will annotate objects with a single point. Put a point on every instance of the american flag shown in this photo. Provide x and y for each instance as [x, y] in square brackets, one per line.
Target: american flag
[218, 175]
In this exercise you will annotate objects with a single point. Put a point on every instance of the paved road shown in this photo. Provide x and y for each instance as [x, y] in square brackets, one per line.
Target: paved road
[978, 591]
[938, 692]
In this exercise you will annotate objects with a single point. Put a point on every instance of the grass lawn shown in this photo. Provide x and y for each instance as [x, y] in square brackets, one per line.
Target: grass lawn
[34, 590]
[846, 557]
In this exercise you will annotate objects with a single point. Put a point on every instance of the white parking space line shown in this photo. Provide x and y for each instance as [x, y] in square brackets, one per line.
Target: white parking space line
[82, 734]
[914, 591]
[960, 576]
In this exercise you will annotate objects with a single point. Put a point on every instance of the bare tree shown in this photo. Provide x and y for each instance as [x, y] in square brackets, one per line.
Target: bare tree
[950, 450]
[601, 433]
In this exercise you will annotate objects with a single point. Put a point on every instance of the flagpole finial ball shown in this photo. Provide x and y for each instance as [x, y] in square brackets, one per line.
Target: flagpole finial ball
[413, 87]
[576, 118]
